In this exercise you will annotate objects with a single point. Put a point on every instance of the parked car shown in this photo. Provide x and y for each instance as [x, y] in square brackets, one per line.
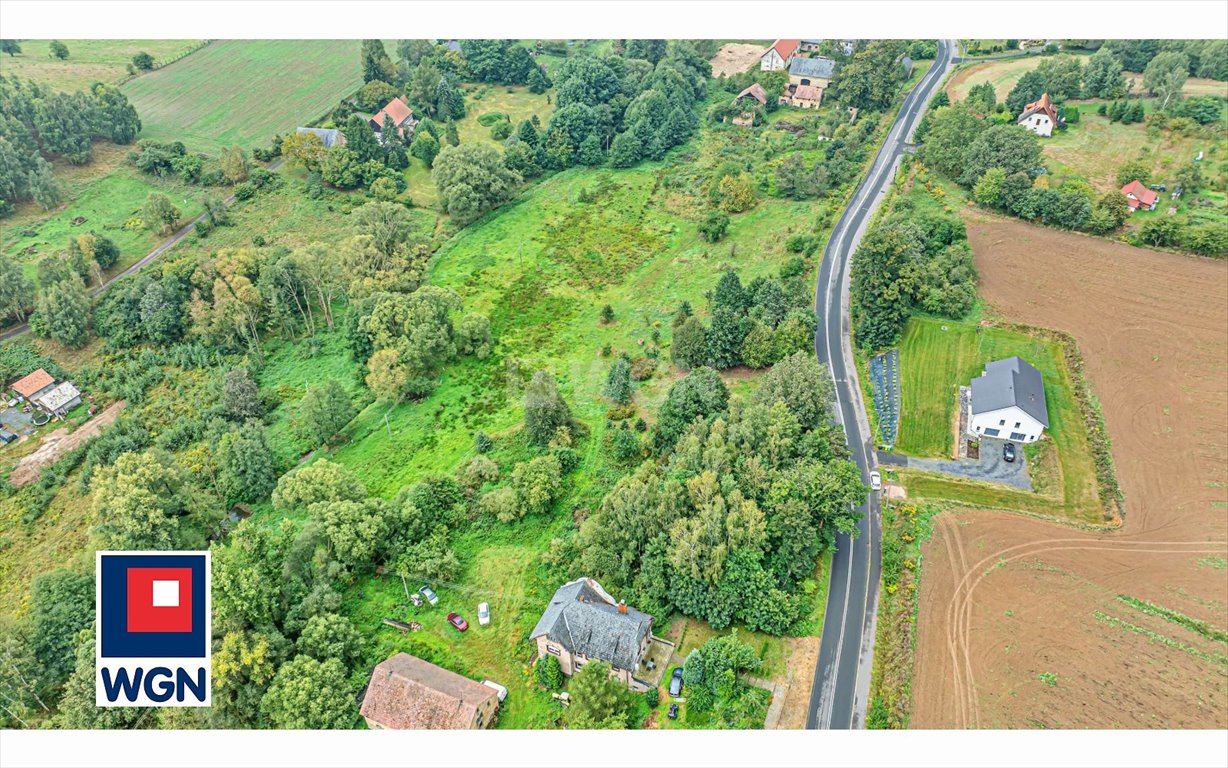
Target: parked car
[483, 613]
[6, 436]
[456, 620]
[675, 682]
[673, 711]
[429, 594]
[1008, 452]
[502, 691]
[876, 481]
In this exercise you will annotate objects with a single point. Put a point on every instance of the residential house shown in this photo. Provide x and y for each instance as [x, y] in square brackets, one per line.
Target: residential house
[34, 385]
[1039, 117]
[330, 136]
[755, 92]
[406, 692]
[401, 115]
[1139, 196]
[779, 54]
[1008, 401]
[583, 623]
[60, 400]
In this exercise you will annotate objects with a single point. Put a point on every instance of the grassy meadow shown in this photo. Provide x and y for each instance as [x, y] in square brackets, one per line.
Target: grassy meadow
[88, 62]
[934, 362]
[224, 93]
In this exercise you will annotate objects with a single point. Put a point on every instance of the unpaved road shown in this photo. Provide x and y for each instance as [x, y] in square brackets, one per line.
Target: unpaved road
[1020, 621]
[59, 442]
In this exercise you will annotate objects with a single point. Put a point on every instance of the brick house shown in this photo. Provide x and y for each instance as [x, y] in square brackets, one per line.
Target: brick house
[582, 623]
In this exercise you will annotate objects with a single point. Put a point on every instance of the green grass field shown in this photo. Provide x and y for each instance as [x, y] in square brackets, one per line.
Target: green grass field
[88, 62]
[244, 91]
[935, 362]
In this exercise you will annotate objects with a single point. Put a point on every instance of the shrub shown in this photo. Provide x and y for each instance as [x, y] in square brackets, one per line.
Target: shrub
[549, 673]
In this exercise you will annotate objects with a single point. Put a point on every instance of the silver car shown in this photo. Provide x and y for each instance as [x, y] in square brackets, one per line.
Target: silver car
[430, 595]
[483, 613]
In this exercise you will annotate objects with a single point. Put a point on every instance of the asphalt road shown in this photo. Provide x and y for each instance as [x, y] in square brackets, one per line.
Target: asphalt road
[842, 675]
[162, 248]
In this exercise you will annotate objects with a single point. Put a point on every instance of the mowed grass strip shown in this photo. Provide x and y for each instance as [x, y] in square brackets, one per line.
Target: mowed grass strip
[88, 62]
[245, 91]
[934, 363]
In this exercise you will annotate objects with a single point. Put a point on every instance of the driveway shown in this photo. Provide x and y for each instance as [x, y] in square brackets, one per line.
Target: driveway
[990, 468]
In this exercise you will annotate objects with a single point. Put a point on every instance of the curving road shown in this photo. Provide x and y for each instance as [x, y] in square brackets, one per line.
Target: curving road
[162, 248]
[841, 688]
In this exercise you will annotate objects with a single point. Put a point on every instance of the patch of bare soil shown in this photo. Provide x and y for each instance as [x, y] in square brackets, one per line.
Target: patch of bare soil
[1022, 623]
[735, 58]
[59, 442]
[802, 657]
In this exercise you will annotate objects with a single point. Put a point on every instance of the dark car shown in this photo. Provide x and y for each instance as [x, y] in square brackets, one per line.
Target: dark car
[675, 682]
[1008, 452]
[673, 711]
[457, 621]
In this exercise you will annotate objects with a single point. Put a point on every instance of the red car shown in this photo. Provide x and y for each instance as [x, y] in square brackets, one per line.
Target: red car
[457, 621]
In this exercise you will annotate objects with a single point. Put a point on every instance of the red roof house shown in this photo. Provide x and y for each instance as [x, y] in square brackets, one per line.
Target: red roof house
[399, 112]
[34, 385]
[1039, 117]
[779, 54]
[1138, 196]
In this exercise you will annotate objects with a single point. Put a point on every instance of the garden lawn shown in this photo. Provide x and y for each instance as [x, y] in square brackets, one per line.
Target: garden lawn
[245, 91]
[935, 362]
[88, 62]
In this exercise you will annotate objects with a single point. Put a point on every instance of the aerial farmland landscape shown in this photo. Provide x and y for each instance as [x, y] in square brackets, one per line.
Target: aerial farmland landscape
[633, 384]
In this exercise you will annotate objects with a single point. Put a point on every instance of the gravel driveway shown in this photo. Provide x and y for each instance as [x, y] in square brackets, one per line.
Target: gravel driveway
[990, 468]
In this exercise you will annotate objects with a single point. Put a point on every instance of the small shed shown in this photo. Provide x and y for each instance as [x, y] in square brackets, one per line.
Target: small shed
[754, 91]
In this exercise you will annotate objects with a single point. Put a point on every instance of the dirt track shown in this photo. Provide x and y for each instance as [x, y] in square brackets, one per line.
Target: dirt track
[59, 442]
[1020, 624]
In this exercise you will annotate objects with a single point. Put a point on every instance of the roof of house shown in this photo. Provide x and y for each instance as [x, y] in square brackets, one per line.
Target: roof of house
[397, 109]
[329, 136]
[808, 93]
[407, 692]
[57, 398]
[30, 385]
[820, 66]
[756, 92]
[784, 48]
[1145, 196]
[452, 45]
[812, 42]
[584, 619]
[1008, 382]
[1043, 104]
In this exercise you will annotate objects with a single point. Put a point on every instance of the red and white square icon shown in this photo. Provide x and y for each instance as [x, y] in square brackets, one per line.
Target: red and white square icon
[159, 599]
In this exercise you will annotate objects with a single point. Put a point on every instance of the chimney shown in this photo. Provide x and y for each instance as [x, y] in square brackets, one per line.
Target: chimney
[622, 606]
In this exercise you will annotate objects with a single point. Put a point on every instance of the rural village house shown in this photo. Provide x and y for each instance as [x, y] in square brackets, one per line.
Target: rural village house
[1138, 196]
[330, 136]
[1008, 401]
[808, 78]
[39, 389]
[1039, 117]
[406, 692]
[779, 55]
[582, 622]
[402, 117]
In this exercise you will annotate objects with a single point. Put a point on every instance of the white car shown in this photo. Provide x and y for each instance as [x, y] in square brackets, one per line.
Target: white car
[483, 613]
[876, 481]
[429, 594]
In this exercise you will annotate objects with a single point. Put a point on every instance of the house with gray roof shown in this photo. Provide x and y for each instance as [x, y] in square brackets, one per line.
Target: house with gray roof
[1008, 402]
[816, 71]
[329, 136]
[583, 622]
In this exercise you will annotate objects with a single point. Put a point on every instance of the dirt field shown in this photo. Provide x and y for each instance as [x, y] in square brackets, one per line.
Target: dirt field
[733, 58]
[1025, 623]
[59, 442]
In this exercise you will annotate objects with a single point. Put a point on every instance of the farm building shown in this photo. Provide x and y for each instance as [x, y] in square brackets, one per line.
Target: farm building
[804, 96]
[1138, 196]
[401, 115]
[406, 692]
[60, 400]
[1039, 117]
[817, 71]
[1008, 401]
[753, 91]
[582, 622]
[330, 136]
[779, 54]
[34, 385]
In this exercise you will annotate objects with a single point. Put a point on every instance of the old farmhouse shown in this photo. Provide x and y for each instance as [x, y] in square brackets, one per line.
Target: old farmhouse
[583, 623]
[1008, 401]
[40, 390]
[1039, 117]
[808, 78]
[401, 116]
[779, 54]
[406, 692]
[1138, 196]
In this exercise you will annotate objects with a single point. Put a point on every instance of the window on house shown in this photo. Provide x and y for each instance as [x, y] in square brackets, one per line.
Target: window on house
[1016, 425]
[992, 432]
[552, 649]
[1001, 422]
[1016, 435]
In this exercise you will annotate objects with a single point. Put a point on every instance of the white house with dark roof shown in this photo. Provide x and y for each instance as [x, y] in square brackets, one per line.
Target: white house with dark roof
[582, 623]
[1008, 402]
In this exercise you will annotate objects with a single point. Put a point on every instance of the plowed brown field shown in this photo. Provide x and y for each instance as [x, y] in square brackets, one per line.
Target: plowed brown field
[1022, 622]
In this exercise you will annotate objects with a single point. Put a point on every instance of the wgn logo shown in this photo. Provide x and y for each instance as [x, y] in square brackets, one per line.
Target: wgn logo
[153, 645]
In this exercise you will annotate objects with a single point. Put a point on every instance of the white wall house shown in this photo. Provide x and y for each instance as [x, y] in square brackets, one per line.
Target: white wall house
[1039, 117]
[1008, 402]
[779, 55]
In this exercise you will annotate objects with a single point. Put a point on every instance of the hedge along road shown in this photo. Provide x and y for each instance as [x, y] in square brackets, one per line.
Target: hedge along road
[838, 698]
[161, 248]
